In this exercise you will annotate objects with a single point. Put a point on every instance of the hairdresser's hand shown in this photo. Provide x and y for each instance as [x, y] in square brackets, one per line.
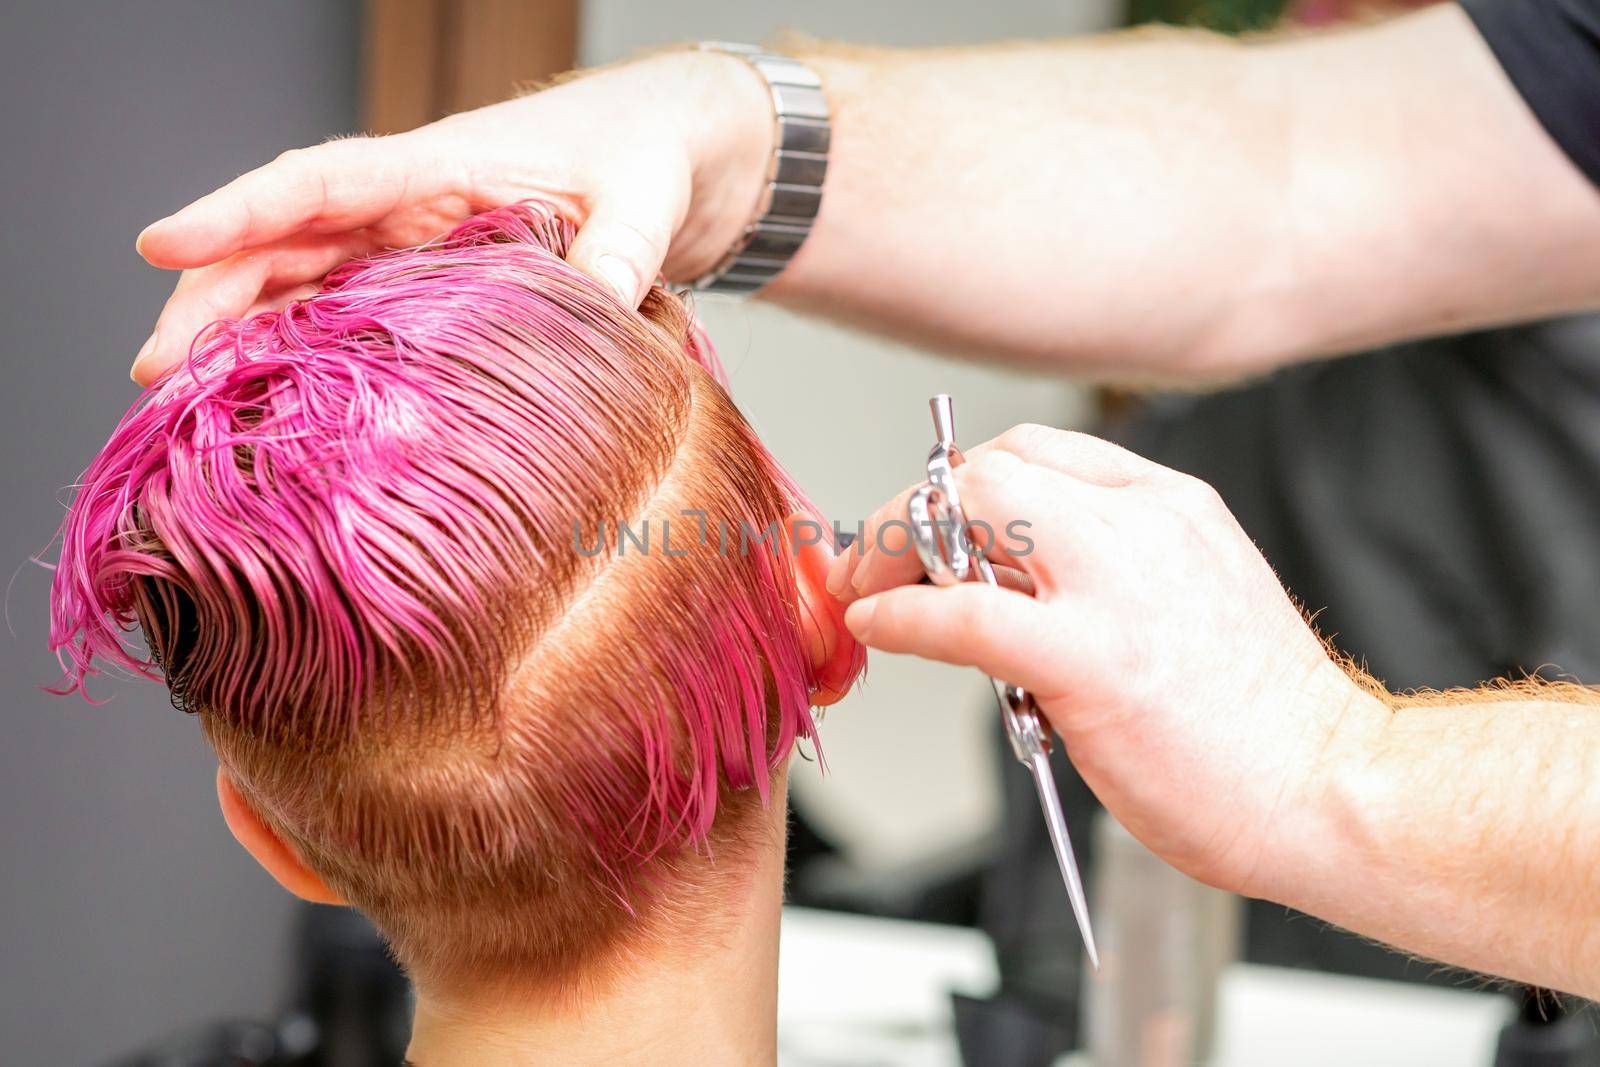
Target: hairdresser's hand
[623, 149]
[1189, 691]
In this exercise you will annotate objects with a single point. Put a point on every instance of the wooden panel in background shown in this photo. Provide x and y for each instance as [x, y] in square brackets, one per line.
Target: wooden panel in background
[400, 64]
[424, 59]
[503, 45]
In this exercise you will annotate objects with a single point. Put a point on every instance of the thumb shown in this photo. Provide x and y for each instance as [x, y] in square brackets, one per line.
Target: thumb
[1002, 632]
[624, 241]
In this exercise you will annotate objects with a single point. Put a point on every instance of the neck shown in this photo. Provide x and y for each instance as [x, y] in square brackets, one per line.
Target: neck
[707, 1004]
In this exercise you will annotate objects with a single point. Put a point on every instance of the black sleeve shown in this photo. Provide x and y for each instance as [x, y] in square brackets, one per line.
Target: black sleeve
[1551, 51]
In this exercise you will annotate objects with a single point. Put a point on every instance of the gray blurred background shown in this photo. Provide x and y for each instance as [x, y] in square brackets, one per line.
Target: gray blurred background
[125, 907]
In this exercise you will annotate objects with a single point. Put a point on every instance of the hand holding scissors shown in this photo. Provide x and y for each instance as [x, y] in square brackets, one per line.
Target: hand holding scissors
[1151, 636]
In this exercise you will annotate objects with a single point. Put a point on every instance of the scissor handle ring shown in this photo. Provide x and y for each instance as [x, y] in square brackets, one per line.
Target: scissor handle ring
[938, 537]
[938, 524]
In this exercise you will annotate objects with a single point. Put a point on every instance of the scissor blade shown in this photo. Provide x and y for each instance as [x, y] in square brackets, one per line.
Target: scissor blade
[1045, 783]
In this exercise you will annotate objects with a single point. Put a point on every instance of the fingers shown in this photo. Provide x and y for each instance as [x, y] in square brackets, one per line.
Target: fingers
[1023, 515]
[333, 187]
[842, 569]
[1043, 522]
[201, 297]
[1082, 456]
[239, 285]
[1003, 633]
[624, 240]
[885, 530]
[276, 300]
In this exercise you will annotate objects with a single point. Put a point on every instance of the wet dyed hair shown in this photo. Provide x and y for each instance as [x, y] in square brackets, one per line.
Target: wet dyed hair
[359, 536]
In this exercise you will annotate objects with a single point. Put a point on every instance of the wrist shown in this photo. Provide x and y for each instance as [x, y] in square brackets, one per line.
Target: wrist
[750, 204]
[1319, 842]
[728, 128]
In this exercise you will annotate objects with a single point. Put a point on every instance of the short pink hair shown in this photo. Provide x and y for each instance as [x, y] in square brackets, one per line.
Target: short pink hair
[347, 530]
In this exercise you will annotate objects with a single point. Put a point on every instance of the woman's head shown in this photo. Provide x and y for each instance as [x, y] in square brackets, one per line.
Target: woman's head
[386, 545]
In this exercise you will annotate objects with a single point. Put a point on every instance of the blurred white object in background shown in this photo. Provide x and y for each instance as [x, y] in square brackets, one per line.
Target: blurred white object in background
[855, 991]
[1273, 1016]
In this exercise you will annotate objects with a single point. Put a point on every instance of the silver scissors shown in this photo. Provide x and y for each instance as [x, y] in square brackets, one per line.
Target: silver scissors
[949, 553]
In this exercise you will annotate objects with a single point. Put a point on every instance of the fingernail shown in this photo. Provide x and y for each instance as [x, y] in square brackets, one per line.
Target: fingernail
[859, 576]
[138, 242]
[839, 572]
[144, 354]
[620, 277]
[858, 616]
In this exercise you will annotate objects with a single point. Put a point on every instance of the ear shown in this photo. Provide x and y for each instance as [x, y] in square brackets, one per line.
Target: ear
[271, 851]
[836, 656]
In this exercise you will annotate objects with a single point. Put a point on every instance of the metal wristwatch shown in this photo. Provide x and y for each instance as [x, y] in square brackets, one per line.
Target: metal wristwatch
[792, 193]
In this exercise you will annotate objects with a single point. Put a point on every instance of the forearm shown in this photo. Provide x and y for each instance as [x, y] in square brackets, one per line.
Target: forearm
[1465, 832]
[1176, 203]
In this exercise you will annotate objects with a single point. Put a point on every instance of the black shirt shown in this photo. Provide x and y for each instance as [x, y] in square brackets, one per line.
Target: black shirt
[1551, 51]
